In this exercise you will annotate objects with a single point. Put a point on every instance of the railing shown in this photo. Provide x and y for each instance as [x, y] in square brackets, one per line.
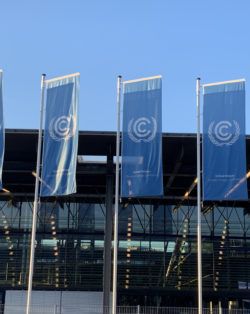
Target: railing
[56, 309]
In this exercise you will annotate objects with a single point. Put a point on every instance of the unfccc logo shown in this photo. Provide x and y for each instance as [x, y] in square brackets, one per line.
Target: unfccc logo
[224, 133]
[62, 128]
[142, 129]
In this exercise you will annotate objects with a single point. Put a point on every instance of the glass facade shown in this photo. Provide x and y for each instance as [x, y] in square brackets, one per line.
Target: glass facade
[157, 257]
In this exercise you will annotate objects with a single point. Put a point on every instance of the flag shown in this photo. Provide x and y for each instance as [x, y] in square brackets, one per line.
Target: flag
[60, 136]
[224, 146]
[1, 129]
[142, 138]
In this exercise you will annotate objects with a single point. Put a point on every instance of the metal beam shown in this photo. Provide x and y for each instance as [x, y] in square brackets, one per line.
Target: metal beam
[108, 234]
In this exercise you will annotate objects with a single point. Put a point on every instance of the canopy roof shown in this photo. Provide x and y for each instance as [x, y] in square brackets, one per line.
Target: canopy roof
[179, 164]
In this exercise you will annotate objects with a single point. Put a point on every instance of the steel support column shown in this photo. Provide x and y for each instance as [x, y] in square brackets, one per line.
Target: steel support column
[108, 233]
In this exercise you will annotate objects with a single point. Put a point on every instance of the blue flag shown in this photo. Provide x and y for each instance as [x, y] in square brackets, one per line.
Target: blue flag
[60, 137]
[1, 129]
[142, 138]
[224, 146]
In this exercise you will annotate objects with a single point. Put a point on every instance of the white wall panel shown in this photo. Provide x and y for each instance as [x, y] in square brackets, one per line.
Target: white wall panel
[43, 302]
[54, 302]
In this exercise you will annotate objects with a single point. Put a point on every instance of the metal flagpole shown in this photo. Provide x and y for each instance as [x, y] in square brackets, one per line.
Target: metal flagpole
[33, 233]
[199, 249]
[116, 197]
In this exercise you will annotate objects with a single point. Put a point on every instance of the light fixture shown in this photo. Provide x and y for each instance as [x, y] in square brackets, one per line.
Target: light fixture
[34, 175]
[187, 193]
[6, 191]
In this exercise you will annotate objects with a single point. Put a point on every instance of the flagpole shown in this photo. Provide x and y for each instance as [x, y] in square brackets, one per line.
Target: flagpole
[116, 197]
[199, 249]
[34, 219]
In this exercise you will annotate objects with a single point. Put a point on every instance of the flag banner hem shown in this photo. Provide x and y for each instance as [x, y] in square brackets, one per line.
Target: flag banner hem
[61, 77]
[222, 83]
[142, 79]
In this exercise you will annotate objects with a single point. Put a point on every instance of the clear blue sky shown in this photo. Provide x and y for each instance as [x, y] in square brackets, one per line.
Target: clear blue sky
[134, 38]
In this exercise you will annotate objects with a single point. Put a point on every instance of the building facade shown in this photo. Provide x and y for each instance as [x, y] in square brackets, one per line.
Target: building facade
[157, 255]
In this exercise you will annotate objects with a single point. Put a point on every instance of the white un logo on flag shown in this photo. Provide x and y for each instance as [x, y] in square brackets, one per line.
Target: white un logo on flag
[62, 128]
[224, 132]
[142, 129]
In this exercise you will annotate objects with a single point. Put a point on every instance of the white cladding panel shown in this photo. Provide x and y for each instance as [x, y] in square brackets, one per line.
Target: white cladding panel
[42, 301]
[54, 302]
[81, 298]
[75, 302]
